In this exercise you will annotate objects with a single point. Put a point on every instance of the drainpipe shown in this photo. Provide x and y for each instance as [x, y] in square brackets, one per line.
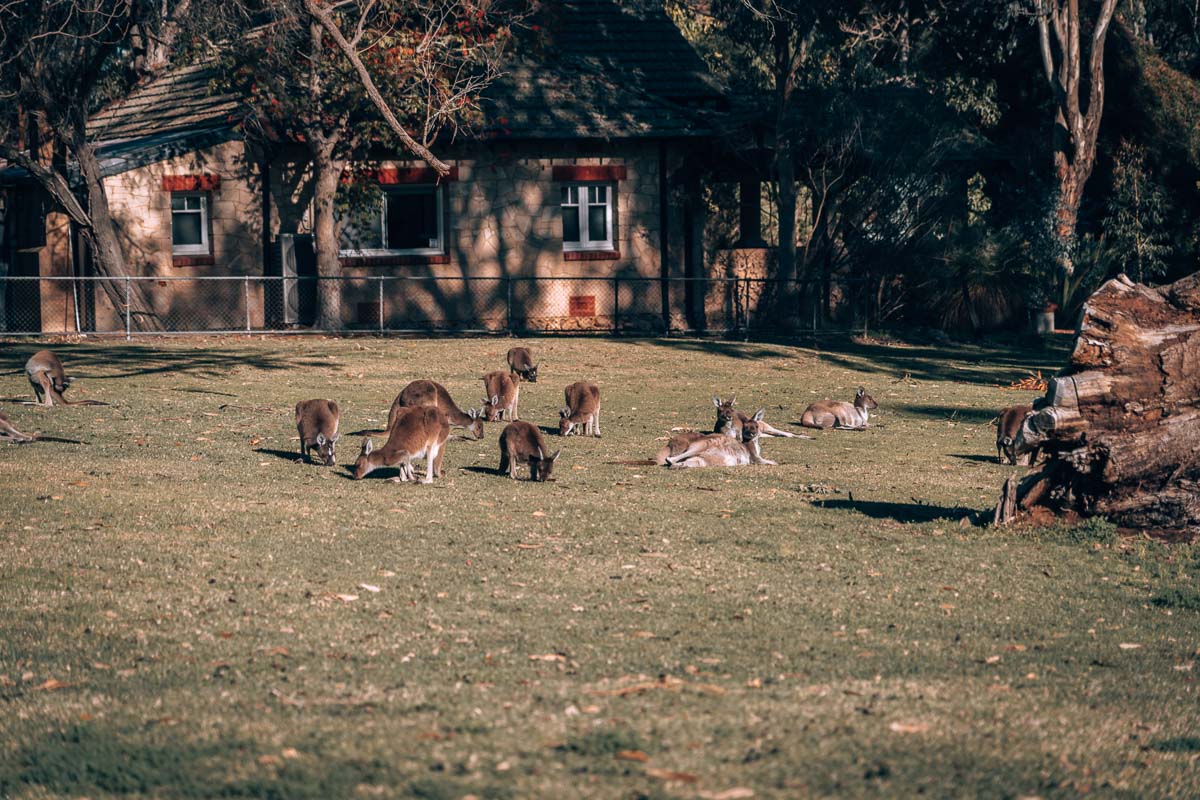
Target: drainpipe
[663, 236]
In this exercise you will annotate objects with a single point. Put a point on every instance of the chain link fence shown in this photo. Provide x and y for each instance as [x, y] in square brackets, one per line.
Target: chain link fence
[386, 304]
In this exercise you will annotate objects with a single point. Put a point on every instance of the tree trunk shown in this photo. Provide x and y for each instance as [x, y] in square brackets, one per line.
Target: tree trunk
[110, 257]
[1121, 424]
[327, 172]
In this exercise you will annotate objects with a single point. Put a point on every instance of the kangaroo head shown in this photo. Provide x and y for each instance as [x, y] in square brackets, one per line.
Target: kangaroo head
[564, 421]
[864, 400]
[476, 426]
[750, 429]
[327, 448]
[362, 465]
[61, 386]
[491, 409]
[531, 374]
[725, 410]
[540, 466]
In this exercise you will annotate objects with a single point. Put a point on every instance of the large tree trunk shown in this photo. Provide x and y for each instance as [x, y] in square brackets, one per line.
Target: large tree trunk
[1121, 424]
[327, 172]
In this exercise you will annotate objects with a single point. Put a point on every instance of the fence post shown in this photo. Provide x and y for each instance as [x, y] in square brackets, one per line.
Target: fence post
[381, 304]
[616, 305]
[246, 287]
[128, 306]
[508, 304]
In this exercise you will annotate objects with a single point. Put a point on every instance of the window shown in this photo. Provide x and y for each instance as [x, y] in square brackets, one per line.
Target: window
[189, 223]
[587, 214]
[409, 221]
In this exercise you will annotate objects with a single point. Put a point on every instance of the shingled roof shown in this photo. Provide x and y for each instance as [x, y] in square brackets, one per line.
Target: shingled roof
[601, 69]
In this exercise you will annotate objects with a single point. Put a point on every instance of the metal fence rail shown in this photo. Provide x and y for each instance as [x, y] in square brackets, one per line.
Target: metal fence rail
[136, 306]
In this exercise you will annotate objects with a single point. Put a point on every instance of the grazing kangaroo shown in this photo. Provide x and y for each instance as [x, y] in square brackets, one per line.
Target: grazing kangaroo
[720, 450]
[419, 432]
[825, 414]
[520, 363]
[431, 393]
[9, 433]
[1007, 427]
[522, 443]
[582, 408]
[49, 381]
[730, 422]
[317, 424]
[502, 393]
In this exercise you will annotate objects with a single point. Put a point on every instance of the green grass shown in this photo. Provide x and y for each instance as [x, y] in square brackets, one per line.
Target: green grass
[175, 617]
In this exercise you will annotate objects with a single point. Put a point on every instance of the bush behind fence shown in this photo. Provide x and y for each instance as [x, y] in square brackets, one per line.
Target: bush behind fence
[393, 304]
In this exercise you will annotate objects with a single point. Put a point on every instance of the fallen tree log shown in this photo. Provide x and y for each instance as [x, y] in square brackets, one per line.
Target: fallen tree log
[1121, 423]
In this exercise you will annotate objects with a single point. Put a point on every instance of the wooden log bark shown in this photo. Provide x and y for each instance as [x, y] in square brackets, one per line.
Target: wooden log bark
[1121, 422]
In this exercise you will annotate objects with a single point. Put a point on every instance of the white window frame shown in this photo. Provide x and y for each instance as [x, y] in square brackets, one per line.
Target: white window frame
[438, 249]
[585, 244]
[205, 246]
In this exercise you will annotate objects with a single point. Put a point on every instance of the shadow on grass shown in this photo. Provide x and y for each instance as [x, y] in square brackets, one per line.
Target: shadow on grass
[976, 457]
[286, 455]
[124, 361]
[977, 416]
[1178, 744]
[900, 512]
[484, 471]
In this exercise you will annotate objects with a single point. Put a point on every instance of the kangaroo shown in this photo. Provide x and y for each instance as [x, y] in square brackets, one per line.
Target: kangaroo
[502, 395]
[522, 443]
[520, 363]
[430, 393]
[9, 433]
[582, 408]
[730, 422]
[676, 445]
[825, 414]
[49, 381]
[1008, 425]
[419, 432]
[720, 450]
[317, 424]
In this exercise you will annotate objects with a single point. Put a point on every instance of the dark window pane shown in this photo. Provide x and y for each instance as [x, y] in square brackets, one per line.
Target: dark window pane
[412, 221]
[570, 223]
[185, 229]
[177, 202]
[362, 230]
[598, 223]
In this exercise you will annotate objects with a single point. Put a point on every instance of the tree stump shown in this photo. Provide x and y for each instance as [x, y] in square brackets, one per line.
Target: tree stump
[1121, 423]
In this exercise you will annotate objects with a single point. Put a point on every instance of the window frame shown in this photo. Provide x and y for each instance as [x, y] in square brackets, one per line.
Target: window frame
[608, 245]
[439, 212]
[204, 248]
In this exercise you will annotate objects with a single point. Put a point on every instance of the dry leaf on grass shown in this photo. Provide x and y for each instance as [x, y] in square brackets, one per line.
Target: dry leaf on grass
[369, 587]
[632, 755]
[672, 775]
[548, 657]
[908, 727]
[1128, 646]
[50, 685]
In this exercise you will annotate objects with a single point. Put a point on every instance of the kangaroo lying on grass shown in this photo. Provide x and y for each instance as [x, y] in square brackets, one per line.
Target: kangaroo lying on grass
[8, 433]
[825, 414]
[1008, 425]
[582, 409]
[522, 443]
[431, 393]
[502, 394]
[419, 432]
[520, 363]
[49, 381]
[317, 424]
[730, 422]
[720, 450]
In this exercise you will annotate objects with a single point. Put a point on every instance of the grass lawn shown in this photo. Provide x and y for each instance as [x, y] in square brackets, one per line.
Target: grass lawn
[185, 611]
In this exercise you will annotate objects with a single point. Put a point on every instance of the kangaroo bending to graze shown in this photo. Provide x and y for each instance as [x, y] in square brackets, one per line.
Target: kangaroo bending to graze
[317, 424]
[582, 409]
[49, 381]
[730, 422]
[418, 432]
[721, 450]
[502, 393]
[825, 414]
[1008, 425]
[520, 363]
[431, 393]
[9, 432]
[522, 443]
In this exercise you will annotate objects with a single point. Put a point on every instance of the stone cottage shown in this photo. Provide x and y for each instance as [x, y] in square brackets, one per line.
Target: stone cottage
[578, 208]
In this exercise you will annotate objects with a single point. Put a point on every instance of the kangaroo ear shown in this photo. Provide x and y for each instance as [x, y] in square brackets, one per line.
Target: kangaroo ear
[758, 415]
[472, 413]
[335, 438]
[321, 440]
[495, 399]
[1007, 441]
[68, 380]
[861, 391]
[367, 446]
[564, 412]
[557, 453]
[716, 401]
[732, 401]
[541, 455]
